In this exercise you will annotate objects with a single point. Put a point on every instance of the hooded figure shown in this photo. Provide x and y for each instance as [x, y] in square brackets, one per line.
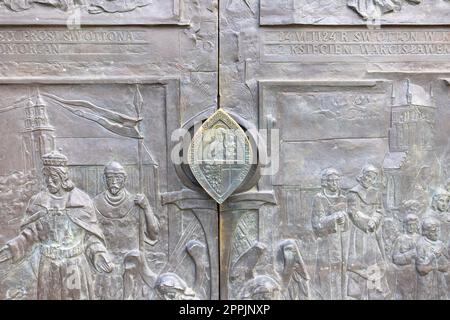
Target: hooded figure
[295, 277]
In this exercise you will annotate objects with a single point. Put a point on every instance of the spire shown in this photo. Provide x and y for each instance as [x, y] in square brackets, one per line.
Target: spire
[408, 91]
[39, 101]
[36, 113]
[431, 93]
[393, 94]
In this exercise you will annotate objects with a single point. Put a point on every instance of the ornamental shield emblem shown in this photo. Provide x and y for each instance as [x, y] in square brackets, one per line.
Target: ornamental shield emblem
[220, 156]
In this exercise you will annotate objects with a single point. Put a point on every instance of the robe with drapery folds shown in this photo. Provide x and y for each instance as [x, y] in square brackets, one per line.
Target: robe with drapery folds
[403, 256]
[126, 227]
[432, 265]
[67, 234]
[366, 256]
[332, 244]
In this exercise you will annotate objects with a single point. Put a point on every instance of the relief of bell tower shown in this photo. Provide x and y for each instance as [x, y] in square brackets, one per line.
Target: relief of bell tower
[38, 136]
[412, 124]
[411, 141]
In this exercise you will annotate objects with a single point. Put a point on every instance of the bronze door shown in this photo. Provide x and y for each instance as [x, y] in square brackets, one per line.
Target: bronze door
[224, 149]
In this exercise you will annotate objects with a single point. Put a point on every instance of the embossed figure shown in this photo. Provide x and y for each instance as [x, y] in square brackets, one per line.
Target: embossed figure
[95, 6]
[170, 286]
[261, 288]
[366, 259]
[219, 139]
[112, 6]
[197, 251]
[330, 224]
[62, 222]
[432, 263]
[439, 211]
[214, 149]
[295, 277]
[404, 256]
[411, 207]
[128, 222]
[20, 5]
[374, 9]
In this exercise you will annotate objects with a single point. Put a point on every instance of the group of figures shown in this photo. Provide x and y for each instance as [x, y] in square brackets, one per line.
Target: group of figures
[15, 191]
[95, 248]
[354, 258]
[94, 6]
[92, 248]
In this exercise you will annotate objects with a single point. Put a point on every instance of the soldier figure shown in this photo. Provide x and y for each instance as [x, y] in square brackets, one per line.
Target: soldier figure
[128, 222]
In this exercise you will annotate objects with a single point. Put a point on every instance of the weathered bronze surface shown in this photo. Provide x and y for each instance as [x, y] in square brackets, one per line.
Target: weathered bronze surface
[309, 155]
[220, 156]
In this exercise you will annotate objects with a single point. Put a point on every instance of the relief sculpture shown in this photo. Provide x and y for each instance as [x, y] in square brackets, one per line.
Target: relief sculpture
[369, 208]
[420, 256]
[62, 221]
[404, 256]
[367, 260]
[128, 221]
[294, 275]
[432, 263]
[88, 220]
[375, 8]
[224, 149]
[75, 13]
[330, 222]
[356, 12]
[93, 6]
[220, 156]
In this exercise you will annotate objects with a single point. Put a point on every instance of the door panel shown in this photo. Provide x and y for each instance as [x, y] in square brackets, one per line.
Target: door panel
[107, 97]
[350, 107]
[343, 190]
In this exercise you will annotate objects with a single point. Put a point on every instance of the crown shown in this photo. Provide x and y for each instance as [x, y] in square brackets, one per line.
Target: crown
[54, 159]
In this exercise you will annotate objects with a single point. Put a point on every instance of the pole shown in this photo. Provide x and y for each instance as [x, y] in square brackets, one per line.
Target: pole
[138, 103]
[343, 263]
